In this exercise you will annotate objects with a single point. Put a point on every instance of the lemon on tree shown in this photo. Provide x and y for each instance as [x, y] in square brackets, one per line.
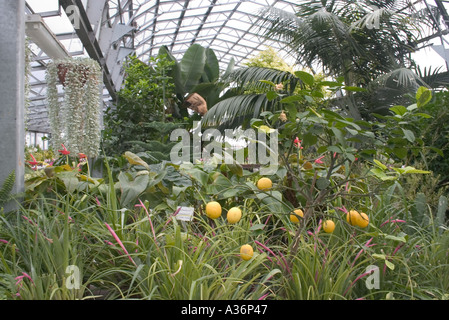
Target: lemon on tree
[234, 215]
[294, 218]
[264, 184]
[352, 217]
[213, 210]
[363, 220]
[328, 226]
[246, 252]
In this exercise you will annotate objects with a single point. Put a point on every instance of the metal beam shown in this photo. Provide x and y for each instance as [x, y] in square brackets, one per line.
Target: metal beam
[90, 43]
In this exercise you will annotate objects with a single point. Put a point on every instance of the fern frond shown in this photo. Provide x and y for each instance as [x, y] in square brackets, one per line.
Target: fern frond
[7, 187]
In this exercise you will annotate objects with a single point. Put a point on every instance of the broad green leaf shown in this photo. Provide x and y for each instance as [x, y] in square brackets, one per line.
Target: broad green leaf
[135, 160]
[192, 66]
[423, 96]
[399, 110]
[266, 129]
[322, 183]
[305, 77]
[211, 68]
[131, 188]
[271, 95]
[409, 135]
[401, 153]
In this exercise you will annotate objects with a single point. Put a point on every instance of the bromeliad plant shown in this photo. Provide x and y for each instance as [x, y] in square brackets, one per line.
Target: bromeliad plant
[75, 121]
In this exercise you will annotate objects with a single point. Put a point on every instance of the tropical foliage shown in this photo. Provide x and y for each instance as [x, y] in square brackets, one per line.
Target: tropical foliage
[355, 206]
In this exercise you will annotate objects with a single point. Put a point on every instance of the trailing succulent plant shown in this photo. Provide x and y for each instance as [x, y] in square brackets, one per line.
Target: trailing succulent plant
[75, 120]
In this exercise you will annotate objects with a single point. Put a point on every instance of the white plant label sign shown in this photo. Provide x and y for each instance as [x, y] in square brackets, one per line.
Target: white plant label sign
[185, 213]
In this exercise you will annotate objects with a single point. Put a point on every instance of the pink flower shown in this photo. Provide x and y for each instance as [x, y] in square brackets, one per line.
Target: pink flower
[318, 161]
[119, 242]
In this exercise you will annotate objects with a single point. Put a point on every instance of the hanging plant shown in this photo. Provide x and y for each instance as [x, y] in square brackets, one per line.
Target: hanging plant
[75, 119]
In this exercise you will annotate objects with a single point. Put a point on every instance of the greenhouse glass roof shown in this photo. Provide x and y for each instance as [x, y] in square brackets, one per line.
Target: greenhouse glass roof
[110, 30]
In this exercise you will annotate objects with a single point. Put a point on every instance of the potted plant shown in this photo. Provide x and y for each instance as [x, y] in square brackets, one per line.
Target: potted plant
[75, 116]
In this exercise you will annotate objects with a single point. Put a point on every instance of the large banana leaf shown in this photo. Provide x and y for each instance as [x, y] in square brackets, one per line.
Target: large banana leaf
[211, 68]
[192, 66]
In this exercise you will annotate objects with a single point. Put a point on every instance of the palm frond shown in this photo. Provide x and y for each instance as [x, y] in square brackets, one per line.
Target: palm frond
[401, 77]
[236, 111]
[250, 78]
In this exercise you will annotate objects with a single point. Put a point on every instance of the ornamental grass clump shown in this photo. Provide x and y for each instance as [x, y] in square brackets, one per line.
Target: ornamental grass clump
[75, 120]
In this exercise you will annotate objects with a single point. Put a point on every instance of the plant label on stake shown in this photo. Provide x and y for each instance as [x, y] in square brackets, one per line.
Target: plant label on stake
[185, 213]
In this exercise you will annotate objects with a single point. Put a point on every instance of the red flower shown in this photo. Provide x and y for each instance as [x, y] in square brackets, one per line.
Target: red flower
[64, 151]
[297, 143]
[34, 163]
[82, 155]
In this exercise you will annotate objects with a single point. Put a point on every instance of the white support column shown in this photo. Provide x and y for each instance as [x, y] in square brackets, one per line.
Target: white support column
[12, 92]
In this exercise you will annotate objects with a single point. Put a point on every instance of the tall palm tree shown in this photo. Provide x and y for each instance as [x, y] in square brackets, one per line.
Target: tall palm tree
[367, 43]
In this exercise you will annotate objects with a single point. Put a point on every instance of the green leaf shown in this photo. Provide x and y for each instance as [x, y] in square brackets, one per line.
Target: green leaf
[192, 66]
[409, 169]
[271, 95]
[322, 183]
[380, 164]
[271, 83]
[131, 188]
[211, 68]
[423, 96]
[399, 110]
[292, 99]
[401, 153]
[305, 77]
[259, 226]
[423, 115]
[339, 135]
[409, 135]
[439, 151]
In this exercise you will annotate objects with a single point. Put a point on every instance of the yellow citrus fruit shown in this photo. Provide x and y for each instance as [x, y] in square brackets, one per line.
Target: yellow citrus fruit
[363, 220]
[264, 184]
[213, 210]
[234, 215]
[246, 252]
[294, 218]
[352, 217]
[328, 226]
